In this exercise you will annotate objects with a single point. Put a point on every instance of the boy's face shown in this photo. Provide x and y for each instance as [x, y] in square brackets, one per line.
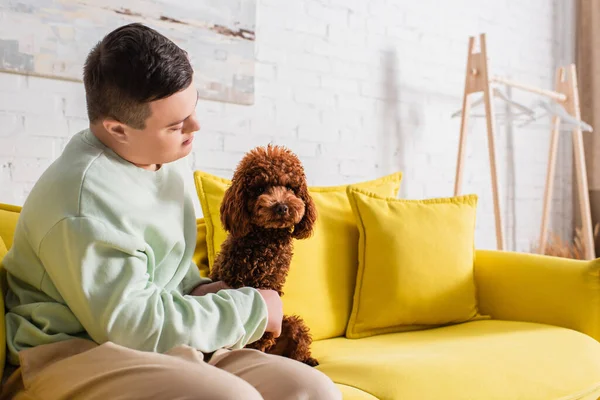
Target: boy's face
[168, 134]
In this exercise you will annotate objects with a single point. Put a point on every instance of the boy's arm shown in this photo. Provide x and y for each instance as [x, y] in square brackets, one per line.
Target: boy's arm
[192, 279]
[195, 285]
[103, 278]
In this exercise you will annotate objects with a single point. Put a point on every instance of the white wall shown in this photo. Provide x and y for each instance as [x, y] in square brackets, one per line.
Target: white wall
[358, 89]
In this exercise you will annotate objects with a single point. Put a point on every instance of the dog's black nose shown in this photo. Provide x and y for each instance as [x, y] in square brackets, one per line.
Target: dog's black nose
[281, 209]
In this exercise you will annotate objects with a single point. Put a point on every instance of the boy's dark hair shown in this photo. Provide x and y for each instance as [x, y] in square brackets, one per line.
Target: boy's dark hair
[131, 66]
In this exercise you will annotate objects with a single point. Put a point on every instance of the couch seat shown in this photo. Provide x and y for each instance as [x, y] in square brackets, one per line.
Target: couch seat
[486, 359]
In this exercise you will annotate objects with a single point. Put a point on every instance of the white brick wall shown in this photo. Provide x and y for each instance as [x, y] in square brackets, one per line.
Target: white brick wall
[358, 89]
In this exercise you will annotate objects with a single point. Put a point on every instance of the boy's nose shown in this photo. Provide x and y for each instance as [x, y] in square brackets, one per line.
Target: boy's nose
[191, 125]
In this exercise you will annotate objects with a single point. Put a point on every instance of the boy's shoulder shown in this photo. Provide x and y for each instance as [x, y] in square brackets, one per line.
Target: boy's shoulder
[55, 194]
[89, 180]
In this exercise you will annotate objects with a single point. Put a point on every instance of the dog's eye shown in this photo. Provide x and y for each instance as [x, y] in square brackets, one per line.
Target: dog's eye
[260, 190]
[290, 188]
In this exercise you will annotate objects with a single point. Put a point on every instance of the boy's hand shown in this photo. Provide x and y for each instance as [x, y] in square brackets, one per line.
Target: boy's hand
[271, 297]
[207, 288]
[275, 311]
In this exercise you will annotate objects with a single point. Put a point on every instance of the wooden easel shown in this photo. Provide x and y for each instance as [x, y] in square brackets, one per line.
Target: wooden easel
[478, 79]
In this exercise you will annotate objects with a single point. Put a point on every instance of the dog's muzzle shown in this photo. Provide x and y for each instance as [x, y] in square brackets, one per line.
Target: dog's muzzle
[281, 209]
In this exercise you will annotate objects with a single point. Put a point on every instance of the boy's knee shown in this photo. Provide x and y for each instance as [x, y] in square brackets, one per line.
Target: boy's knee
[323, 388]
[221, 386]
[314, 385]
[239, 391]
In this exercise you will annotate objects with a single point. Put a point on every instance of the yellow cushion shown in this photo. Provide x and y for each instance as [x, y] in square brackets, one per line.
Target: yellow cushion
[9, 215]
[417, 255]
[200, 257]
[3, 251]
[320, 284]
[491, 360]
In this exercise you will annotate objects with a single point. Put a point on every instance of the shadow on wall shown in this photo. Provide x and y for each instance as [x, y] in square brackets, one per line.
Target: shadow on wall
[565, 215]
[510, 213]
[392, 137]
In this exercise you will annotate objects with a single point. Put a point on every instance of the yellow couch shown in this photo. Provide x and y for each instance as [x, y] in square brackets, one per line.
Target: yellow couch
[540, 343]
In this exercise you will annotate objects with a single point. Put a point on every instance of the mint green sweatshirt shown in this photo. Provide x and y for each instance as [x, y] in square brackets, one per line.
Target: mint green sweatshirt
[103, 250]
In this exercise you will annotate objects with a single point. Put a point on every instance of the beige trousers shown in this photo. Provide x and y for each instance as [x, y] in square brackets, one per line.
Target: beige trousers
[80, 369]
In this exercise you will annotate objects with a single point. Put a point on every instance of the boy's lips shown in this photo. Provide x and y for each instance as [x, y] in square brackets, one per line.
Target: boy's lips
[189, 141]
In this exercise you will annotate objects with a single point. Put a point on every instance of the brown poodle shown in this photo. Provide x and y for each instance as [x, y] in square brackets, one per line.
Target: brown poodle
[266, 207]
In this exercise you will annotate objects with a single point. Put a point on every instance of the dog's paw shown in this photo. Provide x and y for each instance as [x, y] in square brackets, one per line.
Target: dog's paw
[311, 362]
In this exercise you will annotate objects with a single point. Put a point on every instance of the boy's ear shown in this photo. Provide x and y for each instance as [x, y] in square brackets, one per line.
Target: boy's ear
[116, 129]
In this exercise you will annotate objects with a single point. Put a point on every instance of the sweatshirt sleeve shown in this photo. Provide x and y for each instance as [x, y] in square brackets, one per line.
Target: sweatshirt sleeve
[192, 279]
[102, 275]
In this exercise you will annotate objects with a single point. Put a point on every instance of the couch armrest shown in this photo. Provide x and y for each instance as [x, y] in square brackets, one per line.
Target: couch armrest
[542, 289]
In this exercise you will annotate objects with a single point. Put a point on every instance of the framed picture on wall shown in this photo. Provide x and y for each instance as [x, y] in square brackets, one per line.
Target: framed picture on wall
[51, 38]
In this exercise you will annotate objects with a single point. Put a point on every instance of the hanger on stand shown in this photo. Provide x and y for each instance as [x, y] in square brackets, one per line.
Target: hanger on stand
[551, 108]
[523, 109]
[563, 104]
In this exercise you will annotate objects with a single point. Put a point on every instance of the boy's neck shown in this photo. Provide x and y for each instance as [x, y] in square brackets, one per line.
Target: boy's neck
[151, 167]
[106, 139]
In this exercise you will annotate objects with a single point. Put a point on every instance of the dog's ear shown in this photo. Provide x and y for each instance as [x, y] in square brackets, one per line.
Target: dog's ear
[234, 214]
[304, 228]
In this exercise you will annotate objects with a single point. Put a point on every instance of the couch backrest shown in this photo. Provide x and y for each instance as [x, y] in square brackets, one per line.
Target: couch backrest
[9, 216]
[321, 281]
[2, 319]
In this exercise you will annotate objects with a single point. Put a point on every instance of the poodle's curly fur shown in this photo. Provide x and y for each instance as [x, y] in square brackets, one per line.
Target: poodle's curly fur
[266, 207]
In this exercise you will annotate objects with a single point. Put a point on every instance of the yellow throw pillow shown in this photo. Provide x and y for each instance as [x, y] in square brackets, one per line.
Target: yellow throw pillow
[9, 216]
[415, 263]
[3, 252]
[322, 276]
[200, 256]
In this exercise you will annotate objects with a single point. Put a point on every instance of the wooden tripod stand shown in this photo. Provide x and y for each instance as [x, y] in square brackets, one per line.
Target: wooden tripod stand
[478, 79]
